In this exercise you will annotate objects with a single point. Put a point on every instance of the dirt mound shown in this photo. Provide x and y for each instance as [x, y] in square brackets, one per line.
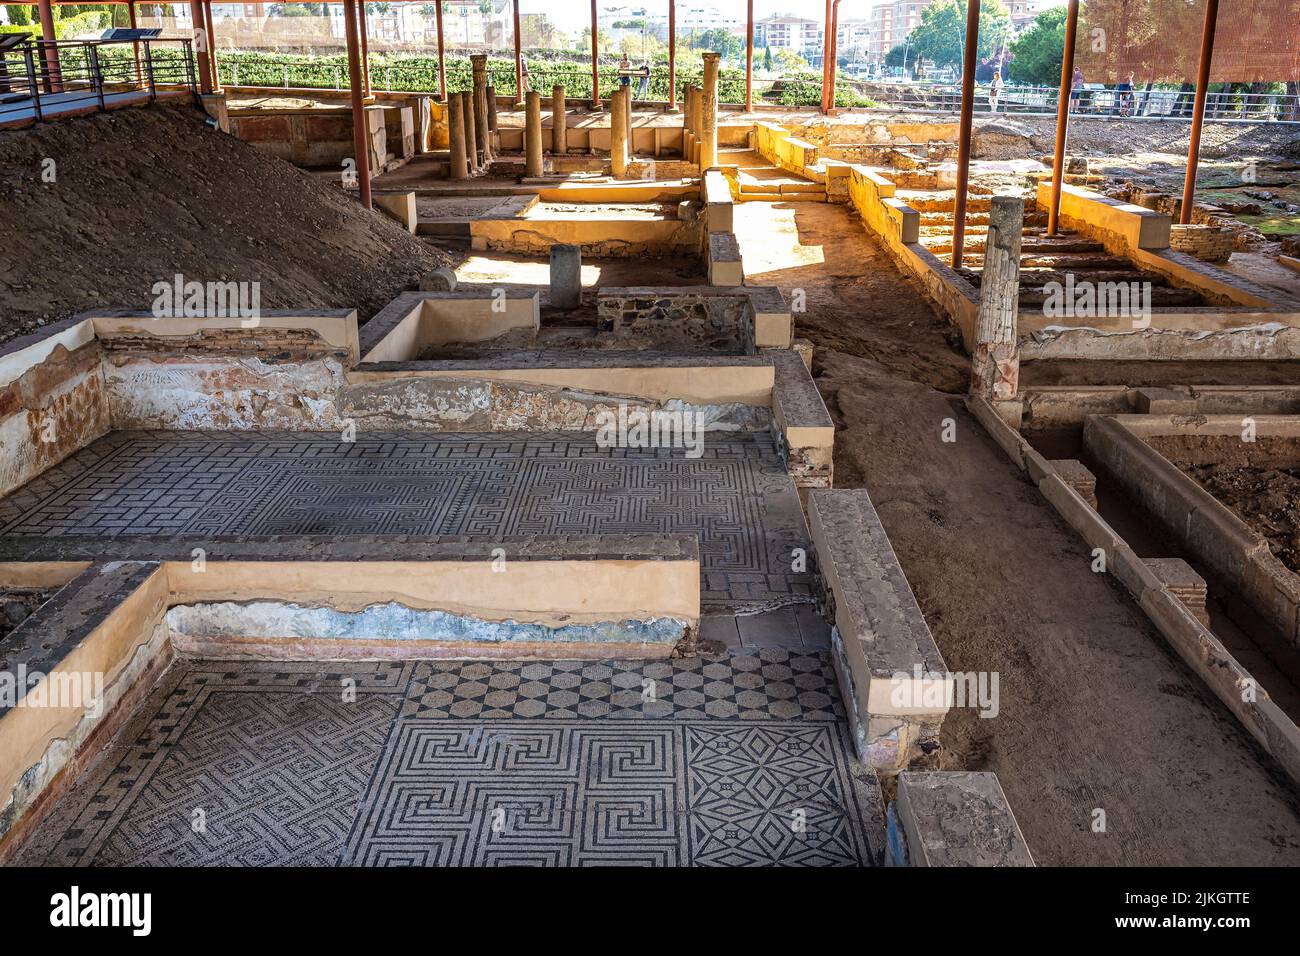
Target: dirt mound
[1267, 499]
[135, 196]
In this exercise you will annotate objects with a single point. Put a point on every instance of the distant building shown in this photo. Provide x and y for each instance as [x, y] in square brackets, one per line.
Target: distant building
[789, 33]
[1025, 12]
[891, 23]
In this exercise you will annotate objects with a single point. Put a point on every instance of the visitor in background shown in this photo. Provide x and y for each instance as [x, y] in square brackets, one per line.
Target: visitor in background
[995, 91]
[524, 78]
[1076, 90]
[1124, 95]
[643, 88]
[625, 71]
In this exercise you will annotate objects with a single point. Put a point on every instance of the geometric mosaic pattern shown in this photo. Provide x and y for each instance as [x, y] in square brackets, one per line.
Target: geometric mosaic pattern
[737, 497]
[740, 760]
[569, 793]
[781, 685]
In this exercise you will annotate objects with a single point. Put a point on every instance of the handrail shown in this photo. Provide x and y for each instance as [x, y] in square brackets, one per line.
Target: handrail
[44, 78]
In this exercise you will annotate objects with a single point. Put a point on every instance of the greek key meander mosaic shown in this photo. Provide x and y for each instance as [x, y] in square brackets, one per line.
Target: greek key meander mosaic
[737, 497]
[732, 760]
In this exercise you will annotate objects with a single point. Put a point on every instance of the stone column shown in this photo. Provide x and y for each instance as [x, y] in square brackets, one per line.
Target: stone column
[479, 99]
[566, 276]
[995, 361]
[471, 136]
[690, 151]
[618, 135]
[493, 138]
[627, 112]
[559, 122]
[532, 134]
[459, 169]
[709, 113]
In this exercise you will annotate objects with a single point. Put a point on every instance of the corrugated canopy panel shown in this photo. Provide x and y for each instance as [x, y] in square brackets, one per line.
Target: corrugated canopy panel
[1160, 41]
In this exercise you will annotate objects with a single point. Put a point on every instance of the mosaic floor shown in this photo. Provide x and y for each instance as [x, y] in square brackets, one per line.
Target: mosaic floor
[736, 497]
[738, 760]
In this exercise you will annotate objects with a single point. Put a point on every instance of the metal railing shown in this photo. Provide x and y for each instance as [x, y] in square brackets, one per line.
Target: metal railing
[1094, 101]
[42, 79]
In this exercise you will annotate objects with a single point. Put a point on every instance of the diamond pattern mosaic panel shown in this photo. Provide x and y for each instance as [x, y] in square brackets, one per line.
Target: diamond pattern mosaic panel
[740, 760]
[737, 497]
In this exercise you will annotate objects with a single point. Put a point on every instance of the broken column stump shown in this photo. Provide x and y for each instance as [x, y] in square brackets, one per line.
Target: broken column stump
[566, 276]
[458, 168]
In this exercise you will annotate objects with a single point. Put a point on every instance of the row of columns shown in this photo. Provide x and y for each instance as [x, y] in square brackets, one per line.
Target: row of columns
[700, 117]
[472, 123]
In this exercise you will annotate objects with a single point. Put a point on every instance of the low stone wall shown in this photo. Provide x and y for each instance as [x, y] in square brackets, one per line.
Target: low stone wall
[515, 225]
[417, 321]
[953, 818]
[1208, 243]
[90, 653]
[782, 148]
[52, 400]
[1194, 643]
[801, 425]
[281, 369]
[895, 685]
[79, 664]
[748, 317]
[546, 391]
[1241, 556]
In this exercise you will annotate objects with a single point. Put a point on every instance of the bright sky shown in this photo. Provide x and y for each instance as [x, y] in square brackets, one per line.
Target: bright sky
[573, 15]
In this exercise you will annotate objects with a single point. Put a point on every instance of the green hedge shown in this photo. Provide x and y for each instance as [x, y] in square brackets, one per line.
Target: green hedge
[418, 73]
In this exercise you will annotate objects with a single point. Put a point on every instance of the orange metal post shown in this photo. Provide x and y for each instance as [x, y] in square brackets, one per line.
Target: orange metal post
[201, 44]
[1063, 116]
[825, 49]
[672, 54]
[832, 55]
[595, 56]
[135, 47]
[442, 55]
[53, 78]
[964, 130]
[1198, 116]
[365, 47]
[360, 137]
[749, 57]
[212, 45]
[519, 61]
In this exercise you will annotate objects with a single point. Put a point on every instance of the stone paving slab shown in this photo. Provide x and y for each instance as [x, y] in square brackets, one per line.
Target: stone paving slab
[724, 761]
[199, 486]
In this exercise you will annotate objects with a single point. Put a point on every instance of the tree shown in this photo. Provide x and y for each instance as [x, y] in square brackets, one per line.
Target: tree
[721, 41]
[19, 14]
[1037, 53]
[941, 34]
[767, 60]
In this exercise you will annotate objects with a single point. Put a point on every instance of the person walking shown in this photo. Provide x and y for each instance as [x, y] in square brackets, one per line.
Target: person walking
[643, 87]
[995, 91]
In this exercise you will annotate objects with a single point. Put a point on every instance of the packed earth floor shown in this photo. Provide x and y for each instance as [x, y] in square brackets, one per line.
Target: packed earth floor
[1096, 711]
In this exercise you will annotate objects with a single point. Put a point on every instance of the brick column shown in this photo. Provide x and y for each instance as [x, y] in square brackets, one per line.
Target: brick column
[479, 99]
[995, 362]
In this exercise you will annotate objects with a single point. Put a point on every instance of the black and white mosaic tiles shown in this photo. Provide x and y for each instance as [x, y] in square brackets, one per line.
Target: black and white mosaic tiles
[735, 760]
